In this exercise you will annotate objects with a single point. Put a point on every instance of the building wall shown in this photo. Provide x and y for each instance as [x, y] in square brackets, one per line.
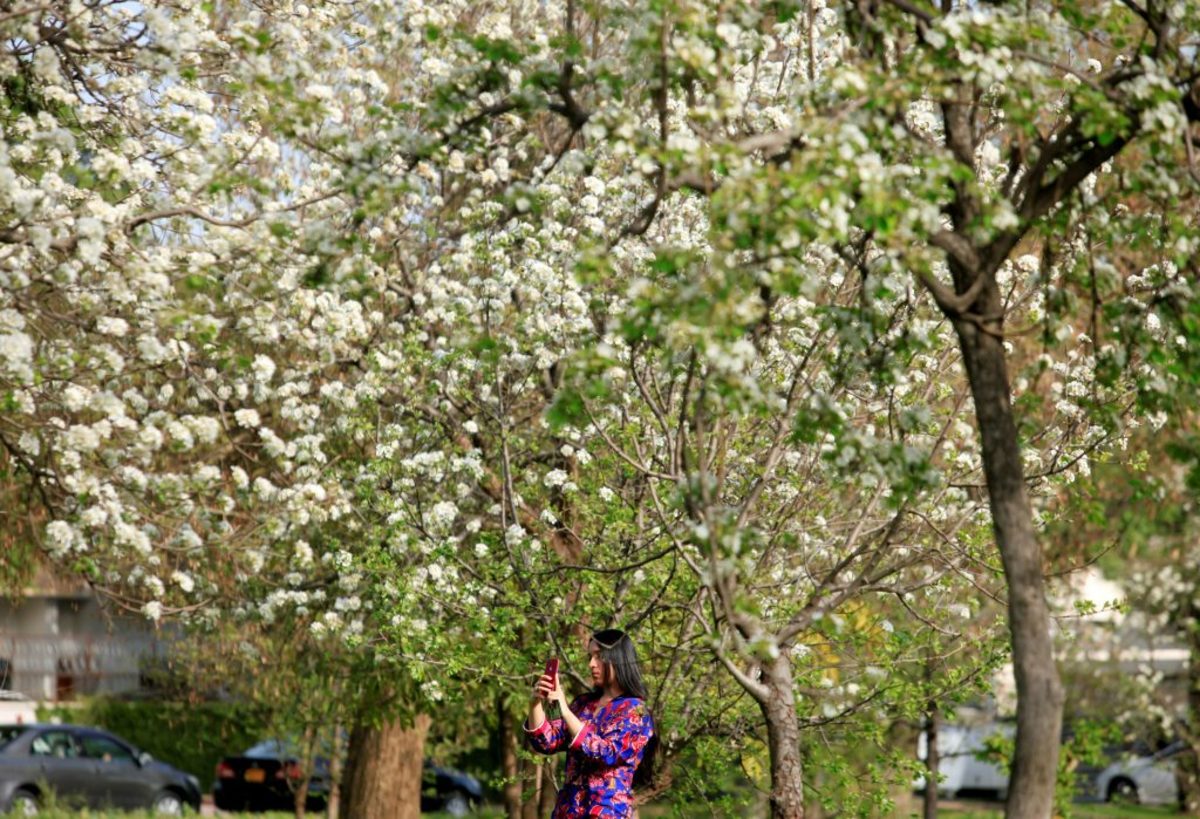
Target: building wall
[59, 648]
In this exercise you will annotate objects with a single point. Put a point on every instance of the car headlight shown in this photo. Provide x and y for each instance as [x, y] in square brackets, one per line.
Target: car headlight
[193, 781]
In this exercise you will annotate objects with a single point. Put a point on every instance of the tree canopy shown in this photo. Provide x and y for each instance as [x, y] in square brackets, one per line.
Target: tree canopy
[435, 329]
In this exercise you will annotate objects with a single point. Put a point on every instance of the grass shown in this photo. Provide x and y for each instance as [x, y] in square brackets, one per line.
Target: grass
[1084, 811]
[485, 812]
[1080, 811]
[87, 813]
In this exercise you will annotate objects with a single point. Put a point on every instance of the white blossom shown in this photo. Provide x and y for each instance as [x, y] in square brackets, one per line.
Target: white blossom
[247, 417]
[555, 478]
[112, 326]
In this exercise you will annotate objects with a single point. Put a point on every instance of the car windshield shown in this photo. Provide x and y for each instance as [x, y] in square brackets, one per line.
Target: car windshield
[10, 732]
[1174, 749]
[271, 749]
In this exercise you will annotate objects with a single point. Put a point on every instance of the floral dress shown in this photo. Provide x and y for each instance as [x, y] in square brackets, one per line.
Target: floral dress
[601, 758]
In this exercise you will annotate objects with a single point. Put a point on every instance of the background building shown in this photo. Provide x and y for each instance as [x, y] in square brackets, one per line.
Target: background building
[58, 641]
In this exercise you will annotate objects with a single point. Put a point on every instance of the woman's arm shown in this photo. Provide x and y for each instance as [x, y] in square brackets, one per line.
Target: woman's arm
[574, 724]
[545, 736]
[537, 715]
[555, 693]
[621, 740]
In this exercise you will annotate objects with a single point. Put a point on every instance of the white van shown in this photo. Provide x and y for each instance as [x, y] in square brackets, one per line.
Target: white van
[958, 767]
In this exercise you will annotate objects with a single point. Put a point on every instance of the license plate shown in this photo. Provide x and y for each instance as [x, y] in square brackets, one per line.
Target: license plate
[256, 775]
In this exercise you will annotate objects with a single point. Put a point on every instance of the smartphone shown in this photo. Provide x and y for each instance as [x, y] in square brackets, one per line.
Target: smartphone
[552, 670]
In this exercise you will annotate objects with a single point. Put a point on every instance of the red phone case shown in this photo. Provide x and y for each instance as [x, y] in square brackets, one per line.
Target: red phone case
[552, 670]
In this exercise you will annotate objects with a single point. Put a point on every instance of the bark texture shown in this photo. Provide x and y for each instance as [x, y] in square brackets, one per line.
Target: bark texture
[932, 761]
[508, 760]
[300, 787]
[383, 771]
[533, 796]
[333, 805]
[1188, 771]
[783, 740]
[300, 800]
[1039, 690]
[549, 794]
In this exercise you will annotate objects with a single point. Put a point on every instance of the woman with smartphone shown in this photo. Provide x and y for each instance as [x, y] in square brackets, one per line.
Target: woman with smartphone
[608, 732]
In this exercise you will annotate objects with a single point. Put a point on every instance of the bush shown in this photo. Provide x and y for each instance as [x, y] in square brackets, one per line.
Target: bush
[191, 736]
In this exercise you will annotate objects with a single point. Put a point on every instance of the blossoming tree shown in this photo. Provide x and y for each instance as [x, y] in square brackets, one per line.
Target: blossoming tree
[926, 143]
[289, 290]
[940, 142]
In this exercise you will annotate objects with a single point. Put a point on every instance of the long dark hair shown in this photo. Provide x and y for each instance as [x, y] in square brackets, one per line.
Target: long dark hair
[618, 652]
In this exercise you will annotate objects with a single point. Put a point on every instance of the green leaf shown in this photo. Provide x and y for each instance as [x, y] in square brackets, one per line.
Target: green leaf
[567, 409]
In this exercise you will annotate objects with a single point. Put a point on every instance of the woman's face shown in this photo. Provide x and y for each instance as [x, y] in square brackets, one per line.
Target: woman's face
[598, 667]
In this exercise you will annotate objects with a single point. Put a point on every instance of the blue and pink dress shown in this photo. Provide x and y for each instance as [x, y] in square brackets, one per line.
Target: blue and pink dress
[601, 758]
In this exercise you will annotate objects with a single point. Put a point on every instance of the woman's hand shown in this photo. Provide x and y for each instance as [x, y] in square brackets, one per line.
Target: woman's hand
[547, 688]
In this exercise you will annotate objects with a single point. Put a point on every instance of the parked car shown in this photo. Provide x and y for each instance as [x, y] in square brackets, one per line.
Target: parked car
[266, 776]
[86, 767]
[959, 765]
[450, 791]
[1145, 780]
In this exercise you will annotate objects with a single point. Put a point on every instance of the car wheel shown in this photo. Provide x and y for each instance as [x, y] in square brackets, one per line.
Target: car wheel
[1123, 791]
[167, 803]
[24, 803]
[457, 804]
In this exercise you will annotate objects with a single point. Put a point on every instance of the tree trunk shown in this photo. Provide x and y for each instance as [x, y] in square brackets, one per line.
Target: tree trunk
[383, 771]
[932, 761]
[783, 740]
[508, 761]
[335, 773]
[1189, 763]
[300, 799]
[1039, 690]
[300, 788]
[533, 800]
[549, 793]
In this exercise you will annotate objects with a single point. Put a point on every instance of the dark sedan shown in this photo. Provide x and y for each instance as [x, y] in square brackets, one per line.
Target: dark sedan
[86, 767]
[266, 777]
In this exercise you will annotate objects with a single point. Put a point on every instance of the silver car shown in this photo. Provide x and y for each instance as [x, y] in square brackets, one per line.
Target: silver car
[1144, 780]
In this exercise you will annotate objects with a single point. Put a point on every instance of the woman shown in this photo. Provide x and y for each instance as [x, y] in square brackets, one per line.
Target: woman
[608, 732]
